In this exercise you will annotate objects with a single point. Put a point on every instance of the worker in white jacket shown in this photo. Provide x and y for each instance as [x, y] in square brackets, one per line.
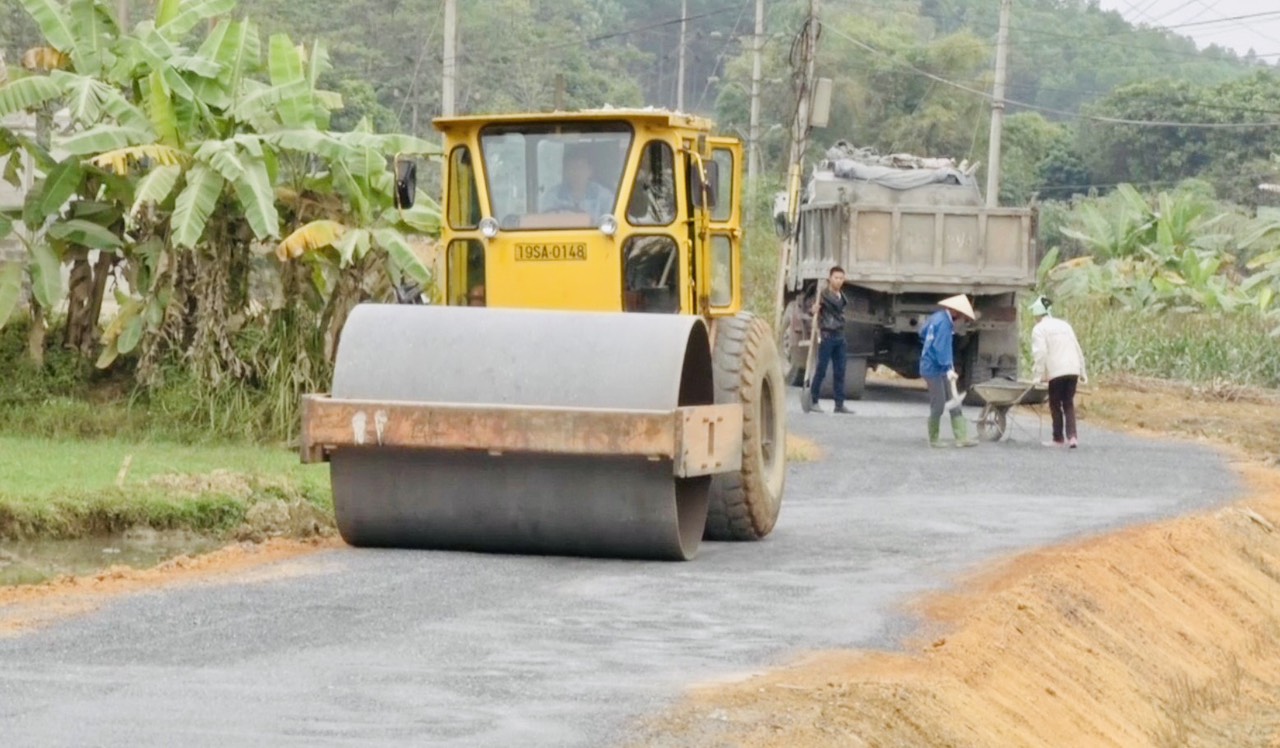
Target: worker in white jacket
[1057, 359]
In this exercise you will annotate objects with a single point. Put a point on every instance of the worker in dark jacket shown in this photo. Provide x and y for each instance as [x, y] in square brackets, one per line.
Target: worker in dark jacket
[829, 308]
[937, 367]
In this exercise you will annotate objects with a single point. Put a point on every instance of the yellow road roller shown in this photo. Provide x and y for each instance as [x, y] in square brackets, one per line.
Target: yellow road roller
[590, 384]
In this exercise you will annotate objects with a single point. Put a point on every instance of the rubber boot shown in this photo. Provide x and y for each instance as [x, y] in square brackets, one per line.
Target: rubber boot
[935, 429]
[960, 428]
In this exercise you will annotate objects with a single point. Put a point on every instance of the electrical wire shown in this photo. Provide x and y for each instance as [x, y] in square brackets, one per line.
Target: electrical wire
[626, 32]
[1104, 39]
[417, 65]
[1059, 112]
[1247, 27]
[720, 57]
[1100, 94]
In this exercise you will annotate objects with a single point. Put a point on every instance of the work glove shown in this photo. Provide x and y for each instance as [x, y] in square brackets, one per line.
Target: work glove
[1084, 378]
[952, 375]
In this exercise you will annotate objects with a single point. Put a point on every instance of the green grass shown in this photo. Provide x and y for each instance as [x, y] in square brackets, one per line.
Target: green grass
[41, 467]
[67, 488]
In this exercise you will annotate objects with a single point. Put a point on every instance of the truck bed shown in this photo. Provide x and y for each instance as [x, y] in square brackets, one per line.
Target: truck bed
[910, 249]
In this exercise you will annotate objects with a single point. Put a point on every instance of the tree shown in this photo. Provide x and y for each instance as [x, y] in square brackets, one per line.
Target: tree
[1028, 137]
[1061, 173]
[1224, 151]
[227, 148]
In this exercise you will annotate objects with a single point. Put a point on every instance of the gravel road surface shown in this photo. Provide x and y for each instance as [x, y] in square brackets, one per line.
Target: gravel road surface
[369, 647]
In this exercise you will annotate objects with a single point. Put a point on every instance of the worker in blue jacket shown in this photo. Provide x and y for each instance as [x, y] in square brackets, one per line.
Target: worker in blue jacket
[937, 367]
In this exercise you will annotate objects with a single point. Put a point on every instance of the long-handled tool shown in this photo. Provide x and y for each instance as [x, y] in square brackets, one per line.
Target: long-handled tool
[806, 395]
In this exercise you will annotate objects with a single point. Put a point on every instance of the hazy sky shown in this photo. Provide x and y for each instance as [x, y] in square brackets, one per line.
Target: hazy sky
[1262, 34]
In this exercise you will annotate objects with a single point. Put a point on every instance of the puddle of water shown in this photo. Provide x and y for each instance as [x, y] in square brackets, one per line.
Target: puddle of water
[34, 561]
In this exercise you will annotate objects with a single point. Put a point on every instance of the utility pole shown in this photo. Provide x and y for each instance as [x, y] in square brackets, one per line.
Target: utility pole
[753, 131]
[799, 144]
[122, 14]
[684, 22]
[450, 61]
[997, 107]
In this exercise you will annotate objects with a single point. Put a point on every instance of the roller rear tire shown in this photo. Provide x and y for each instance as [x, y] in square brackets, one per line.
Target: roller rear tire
[744, 505]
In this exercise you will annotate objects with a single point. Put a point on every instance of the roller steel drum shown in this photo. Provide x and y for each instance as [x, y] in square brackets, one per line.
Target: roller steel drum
[630, 507]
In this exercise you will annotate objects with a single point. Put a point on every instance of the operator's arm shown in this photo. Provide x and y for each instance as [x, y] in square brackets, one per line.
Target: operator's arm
[937, 342]
[825, 298]
[556, 199]
[945, 354]
[604, 202]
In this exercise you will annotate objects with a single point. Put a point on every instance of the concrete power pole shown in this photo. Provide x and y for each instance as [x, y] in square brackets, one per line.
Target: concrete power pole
[997, 106]
[753, 131]
[684, 22]
[450, 59]
[795, 162]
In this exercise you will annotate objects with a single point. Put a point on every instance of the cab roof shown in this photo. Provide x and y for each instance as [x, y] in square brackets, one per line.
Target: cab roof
[649, 116]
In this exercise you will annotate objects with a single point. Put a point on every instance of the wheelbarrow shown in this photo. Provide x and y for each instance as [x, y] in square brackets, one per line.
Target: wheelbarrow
[998, 396]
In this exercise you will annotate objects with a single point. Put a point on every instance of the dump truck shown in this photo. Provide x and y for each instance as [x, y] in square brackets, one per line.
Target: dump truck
[590, 385]
[908, 231]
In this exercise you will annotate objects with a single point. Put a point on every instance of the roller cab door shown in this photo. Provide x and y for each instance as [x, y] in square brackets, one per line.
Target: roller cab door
[726, 227]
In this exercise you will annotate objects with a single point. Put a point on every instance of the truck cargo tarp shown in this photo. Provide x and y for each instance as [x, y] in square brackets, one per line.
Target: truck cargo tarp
[898, 179]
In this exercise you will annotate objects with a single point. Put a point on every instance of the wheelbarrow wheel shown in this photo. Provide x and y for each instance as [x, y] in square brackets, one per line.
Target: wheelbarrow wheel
[992, 423]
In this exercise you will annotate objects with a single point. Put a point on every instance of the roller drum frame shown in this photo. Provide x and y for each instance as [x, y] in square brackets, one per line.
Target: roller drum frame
[573, 433]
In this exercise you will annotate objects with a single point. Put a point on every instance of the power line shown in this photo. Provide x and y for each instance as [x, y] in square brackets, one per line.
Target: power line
[1100, 94]
[720, 57]
[1176, 10]
[1104, 39]
[587, 40]
[1247, 27]
[1059, 112]
[1110, 41]
[417, 65]
[1224, 19]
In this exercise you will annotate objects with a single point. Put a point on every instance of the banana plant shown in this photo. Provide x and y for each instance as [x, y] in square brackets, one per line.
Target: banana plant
[190, 149]
[71, 207]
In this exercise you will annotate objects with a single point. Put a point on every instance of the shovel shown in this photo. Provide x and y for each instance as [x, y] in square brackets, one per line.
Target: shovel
[957, 398]
[811, 361]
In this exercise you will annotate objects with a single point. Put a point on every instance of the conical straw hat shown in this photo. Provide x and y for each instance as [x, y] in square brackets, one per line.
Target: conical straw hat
[960, 304]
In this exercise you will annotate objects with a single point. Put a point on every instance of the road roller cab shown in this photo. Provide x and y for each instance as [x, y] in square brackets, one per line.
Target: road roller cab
[607, 211]
[611, 400]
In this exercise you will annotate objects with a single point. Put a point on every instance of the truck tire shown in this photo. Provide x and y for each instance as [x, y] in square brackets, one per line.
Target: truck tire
[794, 356]
[744, 505]
[968, 360]
[855, 378]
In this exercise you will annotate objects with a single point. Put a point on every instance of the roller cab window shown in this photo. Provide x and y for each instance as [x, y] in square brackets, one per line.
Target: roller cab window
[653, 197]
[650, 275]
[558, 176]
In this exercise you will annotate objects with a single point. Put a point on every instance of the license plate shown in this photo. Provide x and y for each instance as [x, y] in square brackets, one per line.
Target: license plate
[551, 252]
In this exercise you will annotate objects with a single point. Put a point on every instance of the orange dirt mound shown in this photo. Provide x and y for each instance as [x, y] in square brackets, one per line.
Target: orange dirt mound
[1162, 635]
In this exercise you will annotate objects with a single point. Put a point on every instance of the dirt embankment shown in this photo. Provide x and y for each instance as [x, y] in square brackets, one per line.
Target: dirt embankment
[1162, 635]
